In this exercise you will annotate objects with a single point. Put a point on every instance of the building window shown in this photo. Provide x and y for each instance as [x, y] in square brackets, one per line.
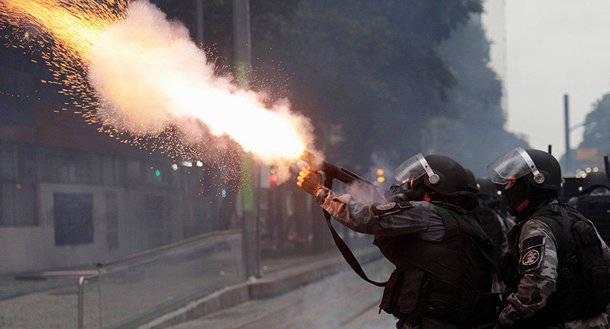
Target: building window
[133, 171]
[155, 221]
[112, 220]
[18, 204]
[73, 218]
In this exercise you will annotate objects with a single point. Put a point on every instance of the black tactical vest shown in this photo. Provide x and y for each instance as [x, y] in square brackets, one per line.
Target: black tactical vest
[597, 209]
[490, 223]
[449, 280]
[582, 284]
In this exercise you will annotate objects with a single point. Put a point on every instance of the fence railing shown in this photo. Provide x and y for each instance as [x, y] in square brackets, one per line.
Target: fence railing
[134, 290]
[126, 292]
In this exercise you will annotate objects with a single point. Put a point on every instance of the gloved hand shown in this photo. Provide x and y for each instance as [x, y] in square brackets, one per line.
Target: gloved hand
[310, 181]
[506, 318]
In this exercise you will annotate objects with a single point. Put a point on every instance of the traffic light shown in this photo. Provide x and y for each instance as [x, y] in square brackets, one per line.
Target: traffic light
[272, 177]
[380, 177]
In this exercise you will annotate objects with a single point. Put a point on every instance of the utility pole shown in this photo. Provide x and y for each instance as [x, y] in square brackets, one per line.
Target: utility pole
[199, 12]
[250, 173]
[566, 116]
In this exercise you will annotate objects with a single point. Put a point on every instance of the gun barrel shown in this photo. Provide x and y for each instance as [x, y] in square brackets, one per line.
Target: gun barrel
[330, 169]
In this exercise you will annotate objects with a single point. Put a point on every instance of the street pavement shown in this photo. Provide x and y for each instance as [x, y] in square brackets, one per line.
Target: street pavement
[342, 300]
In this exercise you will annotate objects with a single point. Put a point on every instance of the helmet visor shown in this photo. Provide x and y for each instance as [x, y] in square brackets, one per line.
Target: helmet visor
[512, 165]
[412, 169]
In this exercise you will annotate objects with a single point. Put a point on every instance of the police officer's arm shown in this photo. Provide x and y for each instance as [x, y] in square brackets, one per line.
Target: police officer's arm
[538, 269]
[380, 219]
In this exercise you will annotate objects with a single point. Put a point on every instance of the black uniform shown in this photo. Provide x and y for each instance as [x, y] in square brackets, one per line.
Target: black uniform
[556, 270]
[443, 275]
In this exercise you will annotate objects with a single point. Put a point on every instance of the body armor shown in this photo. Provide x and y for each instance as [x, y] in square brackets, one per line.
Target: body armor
[582, 283]
[448, 280]
[597, 209]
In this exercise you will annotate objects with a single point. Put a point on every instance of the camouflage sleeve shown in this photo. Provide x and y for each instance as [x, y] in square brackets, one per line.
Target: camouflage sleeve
[379, 219]
[538, 270]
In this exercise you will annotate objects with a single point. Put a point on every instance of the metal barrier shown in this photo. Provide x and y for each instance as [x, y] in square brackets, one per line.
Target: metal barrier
[135, 290]
[126, 292]
[81, 292]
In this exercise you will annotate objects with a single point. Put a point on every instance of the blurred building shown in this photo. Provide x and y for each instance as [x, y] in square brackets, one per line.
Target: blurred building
[72, 196]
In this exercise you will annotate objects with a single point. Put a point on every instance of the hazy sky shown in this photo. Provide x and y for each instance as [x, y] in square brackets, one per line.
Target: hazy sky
[552, 47]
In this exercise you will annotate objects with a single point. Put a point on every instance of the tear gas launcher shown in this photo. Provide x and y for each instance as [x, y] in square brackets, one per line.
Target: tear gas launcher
[332, 172]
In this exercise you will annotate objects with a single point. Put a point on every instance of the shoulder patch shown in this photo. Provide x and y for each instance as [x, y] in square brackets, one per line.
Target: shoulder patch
[533, 241]
[532, 254]
[386, 206]
[530, 257]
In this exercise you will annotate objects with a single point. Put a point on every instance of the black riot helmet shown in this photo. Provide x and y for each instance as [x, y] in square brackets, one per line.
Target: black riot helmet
[440, 174]
[471, 182]
[489, 195]
[594, 180]
[487, 187]
[540, 168]
[530, 178]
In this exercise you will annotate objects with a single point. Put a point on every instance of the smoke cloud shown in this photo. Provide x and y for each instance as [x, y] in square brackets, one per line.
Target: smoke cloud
[149, 75]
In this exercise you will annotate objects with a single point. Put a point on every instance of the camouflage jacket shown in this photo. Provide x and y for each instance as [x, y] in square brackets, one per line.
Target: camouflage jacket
[538, 281]
[387, 219]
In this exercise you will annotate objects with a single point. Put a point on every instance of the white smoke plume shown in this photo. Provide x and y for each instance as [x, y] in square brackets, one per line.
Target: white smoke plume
[149, 75]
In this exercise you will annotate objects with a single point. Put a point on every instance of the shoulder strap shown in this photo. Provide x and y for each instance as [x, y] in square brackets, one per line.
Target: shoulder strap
[343, 248]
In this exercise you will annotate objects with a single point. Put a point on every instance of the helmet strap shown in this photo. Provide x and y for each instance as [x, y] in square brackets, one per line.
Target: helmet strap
[538, 176]
[433, 178]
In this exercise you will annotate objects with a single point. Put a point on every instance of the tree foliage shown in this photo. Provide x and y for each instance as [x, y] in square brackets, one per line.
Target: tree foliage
[368, 71]
[377, 78]
[471, 127]
[596, 134]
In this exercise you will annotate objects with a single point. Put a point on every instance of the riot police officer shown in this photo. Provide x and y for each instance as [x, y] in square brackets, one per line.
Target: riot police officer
[594, 202]
[491, 197]
[556, 269]
[491, 222]
[443, 274]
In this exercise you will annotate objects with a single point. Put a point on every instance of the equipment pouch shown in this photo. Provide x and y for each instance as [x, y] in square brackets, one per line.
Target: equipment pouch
[401, 294]
[408, 298]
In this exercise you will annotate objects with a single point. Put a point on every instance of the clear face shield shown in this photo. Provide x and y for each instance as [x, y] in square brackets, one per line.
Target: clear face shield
[414, 168]
[512, 166]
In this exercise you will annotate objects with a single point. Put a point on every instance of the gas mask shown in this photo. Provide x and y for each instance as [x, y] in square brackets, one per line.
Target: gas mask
[523, 199]
[517, 197]
[407, 191]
